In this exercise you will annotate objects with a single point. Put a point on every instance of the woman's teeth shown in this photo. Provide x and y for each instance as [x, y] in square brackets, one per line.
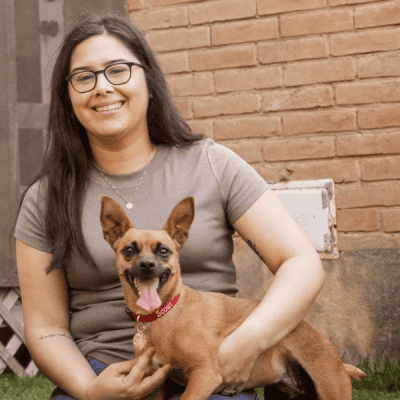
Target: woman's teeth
[109, 107]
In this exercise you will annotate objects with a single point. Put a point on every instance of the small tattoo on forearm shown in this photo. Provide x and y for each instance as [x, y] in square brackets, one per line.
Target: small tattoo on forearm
[56, 334]
[253, 247]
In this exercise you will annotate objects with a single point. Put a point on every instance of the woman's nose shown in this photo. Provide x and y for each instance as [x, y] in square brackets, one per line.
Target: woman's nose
[103, 85]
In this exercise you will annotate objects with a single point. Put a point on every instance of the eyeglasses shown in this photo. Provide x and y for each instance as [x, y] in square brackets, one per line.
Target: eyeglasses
[116, 74]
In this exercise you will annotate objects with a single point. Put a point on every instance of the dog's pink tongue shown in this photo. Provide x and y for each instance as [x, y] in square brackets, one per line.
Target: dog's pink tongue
[149, 299]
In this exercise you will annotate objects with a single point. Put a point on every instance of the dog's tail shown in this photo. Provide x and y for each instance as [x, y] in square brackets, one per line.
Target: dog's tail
[316, 354]
[354, 372]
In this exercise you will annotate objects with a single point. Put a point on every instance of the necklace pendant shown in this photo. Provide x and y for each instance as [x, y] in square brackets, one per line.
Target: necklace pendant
[129, 205]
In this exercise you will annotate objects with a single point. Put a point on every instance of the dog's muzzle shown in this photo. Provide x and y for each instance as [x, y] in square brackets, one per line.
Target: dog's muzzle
[146, 269]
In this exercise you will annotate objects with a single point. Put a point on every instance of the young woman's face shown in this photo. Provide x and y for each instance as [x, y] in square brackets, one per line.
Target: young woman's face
[109, 110]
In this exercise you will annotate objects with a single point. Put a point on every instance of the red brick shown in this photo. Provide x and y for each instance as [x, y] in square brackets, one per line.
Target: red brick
[271, 172]
[368, 92]
[334, 3]
[380, 169]
[221, 10]
[378, 15]
[358, 220]
[368, 144]
[179, 39]
[174, 62]
[292, 99]
[243, 103]
[317, 22]
[249, 149]
[379, 117]
[226, 57]
[191, 84]
[379, 65]
[368, 195]
[185, 107]
[362, 241]
[247, 127]
[391, 220]
[244, 31]
[133, 5]
[292, 50]
[298, 149]
[168, 2]
[365, 41]
[202, 126]
[308, 73]
[280, 6]
[319, 121]
[341, 171]
[248, 79]
[160, 18]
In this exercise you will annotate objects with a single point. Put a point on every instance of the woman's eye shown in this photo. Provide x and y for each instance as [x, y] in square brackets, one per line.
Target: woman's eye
[84, 77]
[117, 70]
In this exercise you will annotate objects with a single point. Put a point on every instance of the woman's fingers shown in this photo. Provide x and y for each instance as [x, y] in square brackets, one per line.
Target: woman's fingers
[141, 364]
[151, 382]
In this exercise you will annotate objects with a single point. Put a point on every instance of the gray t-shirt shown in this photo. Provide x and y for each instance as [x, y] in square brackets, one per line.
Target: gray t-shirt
[224, 187]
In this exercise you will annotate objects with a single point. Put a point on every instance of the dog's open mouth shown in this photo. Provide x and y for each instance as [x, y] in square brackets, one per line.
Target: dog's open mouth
[148, 296]
[148, 290]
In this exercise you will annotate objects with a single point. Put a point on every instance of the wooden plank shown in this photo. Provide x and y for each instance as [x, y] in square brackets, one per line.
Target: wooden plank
[10, 299]
[12, 322]
[13, 345]
[3, 366]
[9, 165]
[11, 361]
[32, 115]
[31, 369]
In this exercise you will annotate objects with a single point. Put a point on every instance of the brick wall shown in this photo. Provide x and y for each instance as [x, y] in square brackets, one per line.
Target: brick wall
[304, 89]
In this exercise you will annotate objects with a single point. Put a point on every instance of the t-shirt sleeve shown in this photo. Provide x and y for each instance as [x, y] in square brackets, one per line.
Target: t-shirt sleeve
[30, 226]
[239, 183]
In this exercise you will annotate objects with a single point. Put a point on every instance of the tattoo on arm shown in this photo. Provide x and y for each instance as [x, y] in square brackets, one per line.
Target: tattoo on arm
[253, 247]
[56, 334]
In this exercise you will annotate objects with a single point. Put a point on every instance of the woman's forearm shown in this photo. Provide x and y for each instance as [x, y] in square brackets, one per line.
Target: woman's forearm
[56, 354]
[291, 294]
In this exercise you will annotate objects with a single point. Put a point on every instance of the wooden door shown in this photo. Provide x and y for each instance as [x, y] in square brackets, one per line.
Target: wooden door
[31, 32]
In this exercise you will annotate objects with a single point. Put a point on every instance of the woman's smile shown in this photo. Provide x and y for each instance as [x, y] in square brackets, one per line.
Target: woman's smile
[109, 107]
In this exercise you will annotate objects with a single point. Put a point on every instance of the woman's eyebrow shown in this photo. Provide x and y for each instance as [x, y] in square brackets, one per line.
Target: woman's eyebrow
[84, 68]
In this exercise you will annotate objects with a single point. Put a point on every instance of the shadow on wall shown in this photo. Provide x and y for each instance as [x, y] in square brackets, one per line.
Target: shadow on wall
[358, 307]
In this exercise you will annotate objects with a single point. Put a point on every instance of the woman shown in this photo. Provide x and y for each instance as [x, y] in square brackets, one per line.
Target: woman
[113, 129]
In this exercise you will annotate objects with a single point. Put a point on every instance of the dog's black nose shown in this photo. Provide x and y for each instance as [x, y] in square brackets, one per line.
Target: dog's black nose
[147, 263]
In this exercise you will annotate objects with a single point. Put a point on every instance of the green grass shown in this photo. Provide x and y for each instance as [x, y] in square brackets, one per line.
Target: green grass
[25, 388]
[382, 383]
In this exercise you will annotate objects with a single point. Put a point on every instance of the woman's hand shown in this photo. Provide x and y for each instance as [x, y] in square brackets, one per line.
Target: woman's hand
[124, 380]
[236, 357]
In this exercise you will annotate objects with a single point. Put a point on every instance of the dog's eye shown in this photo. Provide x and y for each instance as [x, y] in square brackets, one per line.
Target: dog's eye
[164, 251]
[128, 252]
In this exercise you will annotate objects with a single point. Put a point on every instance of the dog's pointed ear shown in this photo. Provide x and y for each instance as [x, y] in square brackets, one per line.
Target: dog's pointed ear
[114, 220]
[180, 220]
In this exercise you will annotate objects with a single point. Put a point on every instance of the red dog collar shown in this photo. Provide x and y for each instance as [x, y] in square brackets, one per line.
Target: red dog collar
[152, 317]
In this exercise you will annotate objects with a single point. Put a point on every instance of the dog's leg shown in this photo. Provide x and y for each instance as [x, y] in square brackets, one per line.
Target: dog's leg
[202, 383]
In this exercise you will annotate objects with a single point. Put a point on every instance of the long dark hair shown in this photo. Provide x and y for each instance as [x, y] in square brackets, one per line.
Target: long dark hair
[68, 156]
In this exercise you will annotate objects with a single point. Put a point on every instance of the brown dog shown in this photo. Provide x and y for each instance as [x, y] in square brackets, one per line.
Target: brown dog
[186, 326]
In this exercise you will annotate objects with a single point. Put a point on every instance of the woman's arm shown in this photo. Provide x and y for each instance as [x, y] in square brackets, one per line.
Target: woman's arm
[46, 325]
[45, 309]
[299, 276]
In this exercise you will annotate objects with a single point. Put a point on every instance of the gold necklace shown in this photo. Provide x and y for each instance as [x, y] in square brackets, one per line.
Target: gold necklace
[129, 203]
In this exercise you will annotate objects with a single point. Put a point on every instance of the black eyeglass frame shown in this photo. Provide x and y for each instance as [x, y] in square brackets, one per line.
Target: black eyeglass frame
[130, 64]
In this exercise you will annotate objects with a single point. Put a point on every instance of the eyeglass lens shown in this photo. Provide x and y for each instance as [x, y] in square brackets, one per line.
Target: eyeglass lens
[116, 74]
